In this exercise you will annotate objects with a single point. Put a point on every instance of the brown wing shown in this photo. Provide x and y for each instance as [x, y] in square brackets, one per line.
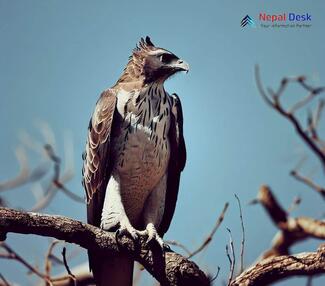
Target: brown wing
[176, 163]
[98, 162]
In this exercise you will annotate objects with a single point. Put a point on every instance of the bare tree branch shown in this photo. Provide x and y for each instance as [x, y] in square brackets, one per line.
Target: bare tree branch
[273, 100]
[291, 230]
[271, 205]
[177, 269]
[276, 268]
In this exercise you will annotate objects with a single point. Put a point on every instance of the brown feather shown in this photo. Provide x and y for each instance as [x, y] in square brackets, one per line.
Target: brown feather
[98, 164]
[97, 158]
[176, 165]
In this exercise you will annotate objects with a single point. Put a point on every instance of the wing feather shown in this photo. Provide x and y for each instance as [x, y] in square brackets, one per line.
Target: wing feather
[98, 162]
[176, 163]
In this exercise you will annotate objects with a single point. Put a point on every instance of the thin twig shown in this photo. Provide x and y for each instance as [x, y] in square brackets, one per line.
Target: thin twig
[318, 113]
[180, 245]
[302, 102]
[46, 199]
[308, 182]
[210, 236]
[70, 194]
[73, 277]
[260, 87]
[296, 202]
[57, 183]
[15, 256]
[215, 276]
[275, 103]
[56, 177]
[6, 283]
[25, 175]
[48, 263]
[242, 248]
[232, 260]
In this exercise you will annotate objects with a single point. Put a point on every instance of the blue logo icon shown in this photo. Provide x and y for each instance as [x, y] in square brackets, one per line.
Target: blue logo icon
[247, 20]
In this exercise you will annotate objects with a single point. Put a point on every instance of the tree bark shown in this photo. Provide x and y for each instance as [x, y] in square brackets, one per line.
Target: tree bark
[169, 268]
[276, 268]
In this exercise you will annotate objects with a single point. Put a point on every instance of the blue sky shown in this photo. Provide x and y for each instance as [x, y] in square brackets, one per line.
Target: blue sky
[57, 56]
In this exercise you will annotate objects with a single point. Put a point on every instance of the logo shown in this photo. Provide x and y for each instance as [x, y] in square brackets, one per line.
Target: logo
[278, 20]
[247, 20]
[292, 17]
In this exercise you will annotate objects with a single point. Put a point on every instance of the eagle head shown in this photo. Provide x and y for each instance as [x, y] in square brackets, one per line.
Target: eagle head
[153, 64]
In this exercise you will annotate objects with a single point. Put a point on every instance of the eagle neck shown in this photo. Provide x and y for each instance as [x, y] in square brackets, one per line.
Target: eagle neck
[151, 97]
[153, 90]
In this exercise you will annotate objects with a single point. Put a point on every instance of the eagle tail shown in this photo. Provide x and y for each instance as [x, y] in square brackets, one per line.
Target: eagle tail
[112, 270]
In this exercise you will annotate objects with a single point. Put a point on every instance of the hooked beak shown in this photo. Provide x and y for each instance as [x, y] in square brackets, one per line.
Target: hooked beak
[181, 66]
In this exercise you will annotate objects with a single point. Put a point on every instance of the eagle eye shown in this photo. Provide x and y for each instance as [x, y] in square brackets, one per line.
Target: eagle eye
[167, 58]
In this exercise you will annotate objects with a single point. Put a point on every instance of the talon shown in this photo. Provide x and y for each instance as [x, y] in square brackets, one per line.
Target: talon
[166, 247]
[153, 235]
[117, 234]
[128, 233]
[160, 242]
[127, 229]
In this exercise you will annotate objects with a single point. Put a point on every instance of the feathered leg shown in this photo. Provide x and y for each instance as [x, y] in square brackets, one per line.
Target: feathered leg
[154, 210]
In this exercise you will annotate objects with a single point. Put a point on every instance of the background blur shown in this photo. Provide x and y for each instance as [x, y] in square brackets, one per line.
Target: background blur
[57, 56]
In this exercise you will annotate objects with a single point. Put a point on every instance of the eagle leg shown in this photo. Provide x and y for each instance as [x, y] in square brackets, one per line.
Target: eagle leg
[114, 217]
[153, 212]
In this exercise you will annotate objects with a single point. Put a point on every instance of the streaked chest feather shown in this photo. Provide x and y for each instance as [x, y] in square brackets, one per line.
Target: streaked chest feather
[142, 145]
